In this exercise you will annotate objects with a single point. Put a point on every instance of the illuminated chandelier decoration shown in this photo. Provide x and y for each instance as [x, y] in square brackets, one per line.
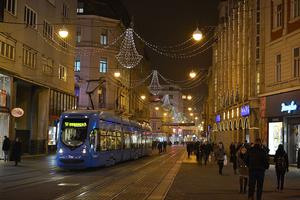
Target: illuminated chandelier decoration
[154, 86]
[166, 103]
[128, 56]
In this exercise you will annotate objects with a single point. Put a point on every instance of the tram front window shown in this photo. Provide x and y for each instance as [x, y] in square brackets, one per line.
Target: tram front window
[74, 132]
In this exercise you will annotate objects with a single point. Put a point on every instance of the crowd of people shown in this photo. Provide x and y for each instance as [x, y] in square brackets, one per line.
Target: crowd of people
[12, 150]
[160, 145]
[249, 161]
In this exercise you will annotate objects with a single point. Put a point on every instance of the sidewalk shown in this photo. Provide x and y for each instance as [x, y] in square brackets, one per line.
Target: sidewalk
[194, 181]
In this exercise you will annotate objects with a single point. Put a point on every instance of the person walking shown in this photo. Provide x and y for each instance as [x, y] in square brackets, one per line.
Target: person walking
[281, 161]
[220, 156]
[160, 147]
[189, 148]
[165, 146]
[242, 168]
[5, 148]
[257, 162]
[17, 151]
[206, 152]
[233, 156]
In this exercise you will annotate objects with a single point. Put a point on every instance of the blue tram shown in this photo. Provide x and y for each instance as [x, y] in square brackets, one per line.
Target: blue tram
[93, 138]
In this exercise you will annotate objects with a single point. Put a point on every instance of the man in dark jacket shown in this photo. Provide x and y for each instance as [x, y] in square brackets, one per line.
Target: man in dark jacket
[257, 162]
[17, 151]
[5, 148]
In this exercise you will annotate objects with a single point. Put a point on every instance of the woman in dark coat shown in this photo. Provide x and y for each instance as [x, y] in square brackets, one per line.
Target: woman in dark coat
[281, 161]
[17, 151]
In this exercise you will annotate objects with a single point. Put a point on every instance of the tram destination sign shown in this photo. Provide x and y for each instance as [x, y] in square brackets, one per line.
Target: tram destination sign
[75, 124]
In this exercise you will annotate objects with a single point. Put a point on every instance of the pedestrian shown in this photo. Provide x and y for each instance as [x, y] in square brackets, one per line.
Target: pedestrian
[206, 151]
[220, 156]
[17, 151]
[257, 162]
[5, 148]
[233, 156]
[160, 146]
[281, 161]
[197, 149]
[165, 146]
[242, 168]
[189, 148]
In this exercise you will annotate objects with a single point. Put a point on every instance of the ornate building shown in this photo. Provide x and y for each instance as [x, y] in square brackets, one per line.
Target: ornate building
[235, 78]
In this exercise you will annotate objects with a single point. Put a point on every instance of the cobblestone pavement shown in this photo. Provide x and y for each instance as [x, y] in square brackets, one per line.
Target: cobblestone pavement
[194, 181]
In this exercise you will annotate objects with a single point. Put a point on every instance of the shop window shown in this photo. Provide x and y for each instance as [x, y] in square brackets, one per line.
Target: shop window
[275, 136]
[30, 17]
[296, 62]
[10, 6]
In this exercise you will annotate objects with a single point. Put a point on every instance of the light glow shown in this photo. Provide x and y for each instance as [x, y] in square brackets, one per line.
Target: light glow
[63, 32]
[197, 35]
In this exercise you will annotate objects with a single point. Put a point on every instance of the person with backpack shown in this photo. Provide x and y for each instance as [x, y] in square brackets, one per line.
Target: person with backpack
[281, 161]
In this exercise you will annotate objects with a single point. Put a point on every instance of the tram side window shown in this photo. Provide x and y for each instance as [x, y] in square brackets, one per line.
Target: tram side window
[93, 139]
[103, 140]
[143, 140]
[118, 140]
[134, 139]
[126, 141]
[139, 139]
[110, 140]
[149, 141]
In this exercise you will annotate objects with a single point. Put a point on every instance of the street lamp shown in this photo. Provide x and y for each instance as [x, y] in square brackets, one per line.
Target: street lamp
[117, 74]
[156, 108]
[143, 97]
[189, 97]
[197, 35]
[193, 74]
[183, 96]
[63, 32]
[196, 118]
[165, 114]
[189, 109]
[191, 114]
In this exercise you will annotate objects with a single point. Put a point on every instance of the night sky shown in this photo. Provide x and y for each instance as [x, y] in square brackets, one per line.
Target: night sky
[167, 22]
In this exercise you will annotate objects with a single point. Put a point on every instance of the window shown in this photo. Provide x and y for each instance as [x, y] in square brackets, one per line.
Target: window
[30, 17]
[62, 73]
[7, 50]
[257, 83]
[47, 65]
[279, 16]
[77, 65]
[103, 65]
[297, 62]
[295, 8]
[127, 144]
[47, 30]
[65, 11]
[29, 57]
[103, 39]
[80, 8]
[278, 67]
[10, 6]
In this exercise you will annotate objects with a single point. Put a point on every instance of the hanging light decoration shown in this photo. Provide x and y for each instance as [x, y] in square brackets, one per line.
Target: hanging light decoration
[197, 35]
[63, 32]
[128, 56]
[154, 86]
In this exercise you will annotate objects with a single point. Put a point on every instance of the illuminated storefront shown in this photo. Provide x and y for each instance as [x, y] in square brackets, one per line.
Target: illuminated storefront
[283, 114]
[4, 108]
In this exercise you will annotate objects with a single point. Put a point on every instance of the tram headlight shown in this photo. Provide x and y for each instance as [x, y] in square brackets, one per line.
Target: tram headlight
[84, 151]
[60, 151]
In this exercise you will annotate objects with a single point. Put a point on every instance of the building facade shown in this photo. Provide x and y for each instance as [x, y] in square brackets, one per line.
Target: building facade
[101, 82]
[281, 91]
[36, 72]
[235, 80]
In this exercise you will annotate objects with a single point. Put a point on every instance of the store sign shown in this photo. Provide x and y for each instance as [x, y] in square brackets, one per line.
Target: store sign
[75, 124]
[17, 112]
[245, 110]
[288, 107]
[218, 118]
